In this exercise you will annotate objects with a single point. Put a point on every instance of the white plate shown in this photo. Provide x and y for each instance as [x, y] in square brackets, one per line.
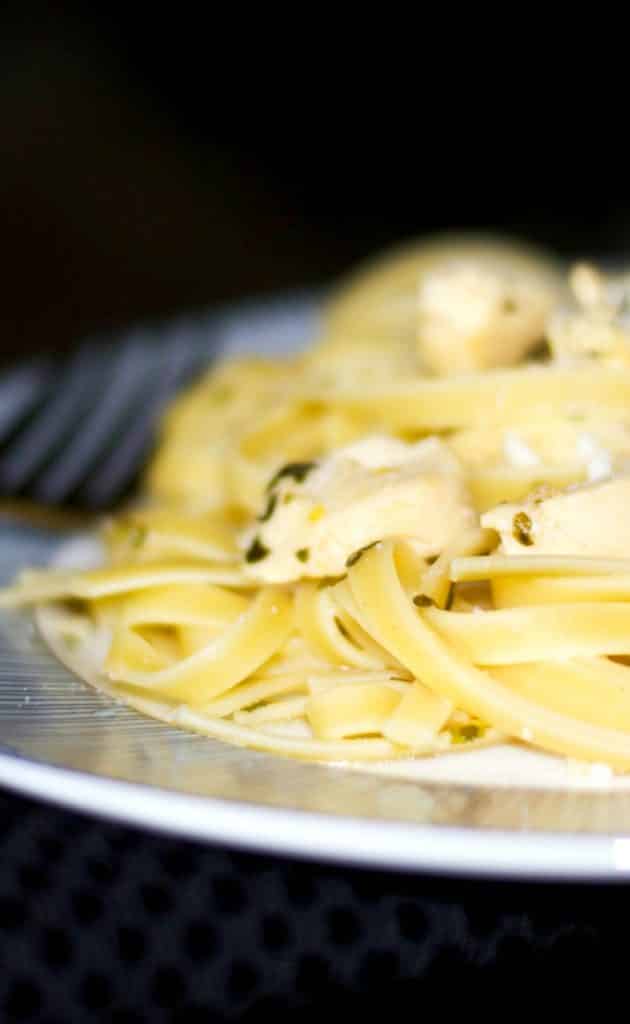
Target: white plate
[506, 812]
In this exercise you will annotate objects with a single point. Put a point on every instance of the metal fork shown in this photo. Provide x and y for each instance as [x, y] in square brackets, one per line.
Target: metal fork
[79, 433]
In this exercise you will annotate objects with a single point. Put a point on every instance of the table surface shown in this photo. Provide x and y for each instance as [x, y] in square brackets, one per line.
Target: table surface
[100, 921]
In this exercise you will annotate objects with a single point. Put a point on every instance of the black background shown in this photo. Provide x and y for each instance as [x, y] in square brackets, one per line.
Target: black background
[160, 160]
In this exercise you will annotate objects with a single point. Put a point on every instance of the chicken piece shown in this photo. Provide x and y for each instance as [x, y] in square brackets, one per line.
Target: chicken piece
[319, 515]
[589, 521]
[377, 304]
[476, 314]
[600, 443]
[597, 326]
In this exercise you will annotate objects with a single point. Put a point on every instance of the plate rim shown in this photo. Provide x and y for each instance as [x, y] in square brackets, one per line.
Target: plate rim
[316, 836]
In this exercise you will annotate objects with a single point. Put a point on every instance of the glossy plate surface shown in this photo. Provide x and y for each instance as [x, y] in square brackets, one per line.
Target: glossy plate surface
[507, 812]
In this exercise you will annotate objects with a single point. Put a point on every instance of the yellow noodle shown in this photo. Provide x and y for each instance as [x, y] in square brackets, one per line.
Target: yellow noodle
[275, 711]
[491, 485]
[418, 717]
[510, 591]
[163, 534]
[593, 690]
[361, 749]
[436, 583]
[35, 586]
[323, 627]
[241, 697]
[494, 398]
[229, 659]
[183, 604]
[405, 631]
[129, 651]
[515, 635]
[351, 710]
[491, 566]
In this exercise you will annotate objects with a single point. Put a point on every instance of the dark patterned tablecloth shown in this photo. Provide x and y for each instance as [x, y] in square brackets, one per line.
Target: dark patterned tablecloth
[104, 922]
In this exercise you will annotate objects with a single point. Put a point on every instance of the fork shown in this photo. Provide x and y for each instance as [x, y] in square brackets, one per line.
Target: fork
[80, 432]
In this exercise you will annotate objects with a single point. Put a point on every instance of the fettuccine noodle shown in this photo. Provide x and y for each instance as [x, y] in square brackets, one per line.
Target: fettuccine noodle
[409, 540]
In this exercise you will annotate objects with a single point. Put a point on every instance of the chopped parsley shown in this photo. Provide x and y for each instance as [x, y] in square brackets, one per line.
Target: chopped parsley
[522, 529]
[344, 632]
[340, 626]
[356, 555]
[328, 581]
[467, 733]
[298, 471]
[137, 536]
[269, 509]
[303, 554]
[256, 551]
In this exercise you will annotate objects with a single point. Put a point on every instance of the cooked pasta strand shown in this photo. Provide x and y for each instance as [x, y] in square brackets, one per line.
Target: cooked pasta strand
[229, 659]
[405, 631]
[515, 635]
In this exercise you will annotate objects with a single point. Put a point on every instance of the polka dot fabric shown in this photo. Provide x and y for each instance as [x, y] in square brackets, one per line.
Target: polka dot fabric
[104, 923]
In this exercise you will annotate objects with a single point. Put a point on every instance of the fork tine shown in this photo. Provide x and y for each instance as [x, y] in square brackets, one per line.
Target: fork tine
[82, 433]
[177, 359]
[55, 420]
[19, 391]
[125, 379]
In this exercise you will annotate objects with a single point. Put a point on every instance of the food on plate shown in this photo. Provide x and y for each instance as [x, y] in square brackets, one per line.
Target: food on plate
[316, 515]
[589, 520]
[409, 540]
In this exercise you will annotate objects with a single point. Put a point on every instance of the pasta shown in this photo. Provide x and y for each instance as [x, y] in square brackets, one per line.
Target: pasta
[409, 540]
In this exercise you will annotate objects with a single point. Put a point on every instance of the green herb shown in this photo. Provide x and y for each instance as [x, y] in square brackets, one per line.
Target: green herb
[137, 536]
[540, 353]
[303, 554]
[522, 529]
[328, 581]
[256, 551]
[342, 629]
[423, 601]
[298, 471]
[288, 498]
[356, 555]
[269, 509]
[466, 733]
[509, 306]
